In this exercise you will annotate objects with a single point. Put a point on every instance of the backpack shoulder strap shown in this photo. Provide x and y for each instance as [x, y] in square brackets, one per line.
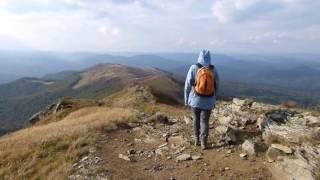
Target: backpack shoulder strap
[199, 65]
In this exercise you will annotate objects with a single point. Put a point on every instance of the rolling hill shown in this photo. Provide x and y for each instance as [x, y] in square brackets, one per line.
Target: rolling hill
[29, 95]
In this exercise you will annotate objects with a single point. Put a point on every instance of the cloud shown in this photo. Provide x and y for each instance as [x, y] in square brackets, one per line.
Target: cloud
[103, 29]
[232, 10]
[162, 25]
[115, 31]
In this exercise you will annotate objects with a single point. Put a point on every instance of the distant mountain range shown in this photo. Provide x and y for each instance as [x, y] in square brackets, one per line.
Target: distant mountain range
[14, 65]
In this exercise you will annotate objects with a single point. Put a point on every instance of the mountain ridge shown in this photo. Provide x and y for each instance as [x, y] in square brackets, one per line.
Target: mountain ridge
[30, 95]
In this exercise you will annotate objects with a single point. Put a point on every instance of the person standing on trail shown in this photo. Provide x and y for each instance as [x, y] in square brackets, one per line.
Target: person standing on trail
[200, 94]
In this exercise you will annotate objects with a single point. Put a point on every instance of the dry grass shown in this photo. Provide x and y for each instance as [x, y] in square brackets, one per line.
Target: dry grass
[48, 151]
[178, 111]
[136, 97]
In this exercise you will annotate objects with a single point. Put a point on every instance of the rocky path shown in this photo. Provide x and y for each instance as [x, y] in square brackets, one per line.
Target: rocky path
[245, 144]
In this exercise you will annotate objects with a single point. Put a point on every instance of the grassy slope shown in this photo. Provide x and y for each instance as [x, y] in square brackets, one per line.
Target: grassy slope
[49, 151]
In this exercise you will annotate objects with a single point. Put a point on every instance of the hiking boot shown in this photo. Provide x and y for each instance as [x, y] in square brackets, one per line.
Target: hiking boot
[204, 146]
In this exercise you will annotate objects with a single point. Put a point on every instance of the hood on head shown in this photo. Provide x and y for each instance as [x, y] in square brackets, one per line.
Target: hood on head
[205, 58]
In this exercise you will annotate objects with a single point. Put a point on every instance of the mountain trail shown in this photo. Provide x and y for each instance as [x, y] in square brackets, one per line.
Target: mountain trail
[161, 147]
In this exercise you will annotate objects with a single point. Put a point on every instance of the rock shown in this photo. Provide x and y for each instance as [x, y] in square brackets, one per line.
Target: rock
[272, 154]
[180, 150]
[244, 156]
[136, 129]
[137, 140]
[184, 157]
[229, 151]
[290, 130]
[231, 137]
[161, 151]
[227, 133]
[238, 102]
[163, 145]
[309, 154]
[197, 157]
[248, 119]
[187, 119]
[92, 150]
[261, 122]
[249, 147]
[61, 105]
[84, 159]
[226, 168]
[225, 120]
[131, 152]
[177, 140]
[175, 129]
[315, 134]
[97, 159]
[282, 148]
[124, 157]
[291, 169]
[173, 121]
[235, 108]
[305, 164]
[158, 118]
[279, 116]
[150, 140]
[221, 129]
[312, 121]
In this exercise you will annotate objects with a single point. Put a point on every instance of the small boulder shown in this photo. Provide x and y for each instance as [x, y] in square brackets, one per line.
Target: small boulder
[227, 133]
[196, 157]
[261, 122]
[131, 151]
[225, 120]
[124, 157]
[312, 121]
[158, 118]
[187, 119]
[178, 140]
[249, 147]
[244, 156]
[272, 154]
[184, 157]
[282, 148]
[221, 130]
[238, 102]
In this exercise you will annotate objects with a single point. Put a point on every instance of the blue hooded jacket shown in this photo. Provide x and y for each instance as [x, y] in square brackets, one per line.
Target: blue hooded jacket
[190, 97]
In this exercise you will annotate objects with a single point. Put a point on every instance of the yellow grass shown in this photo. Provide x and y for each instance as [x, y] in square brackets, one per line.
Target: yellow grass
[48, 151]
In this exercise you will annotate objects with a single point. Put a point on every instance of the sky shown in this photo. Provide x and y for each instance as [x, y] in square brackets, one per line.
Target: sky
[240, 26]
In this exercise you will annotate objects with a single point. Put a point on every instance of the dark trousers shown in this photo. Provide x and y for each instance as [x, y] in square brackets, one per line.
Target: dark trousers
[201, 123]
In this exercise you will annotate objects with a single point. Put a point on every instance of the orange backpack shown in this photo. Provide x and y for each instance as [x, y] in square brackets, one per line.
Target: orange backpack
[205, 84]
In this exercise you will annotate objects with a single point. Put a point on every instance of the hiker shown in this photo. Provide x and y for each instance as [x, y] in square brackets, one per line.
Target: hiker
[200, 94]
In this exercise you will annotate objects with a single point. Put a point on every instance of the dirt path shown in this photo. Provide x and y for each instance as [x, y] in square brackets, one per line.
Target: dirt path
[152, 157]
